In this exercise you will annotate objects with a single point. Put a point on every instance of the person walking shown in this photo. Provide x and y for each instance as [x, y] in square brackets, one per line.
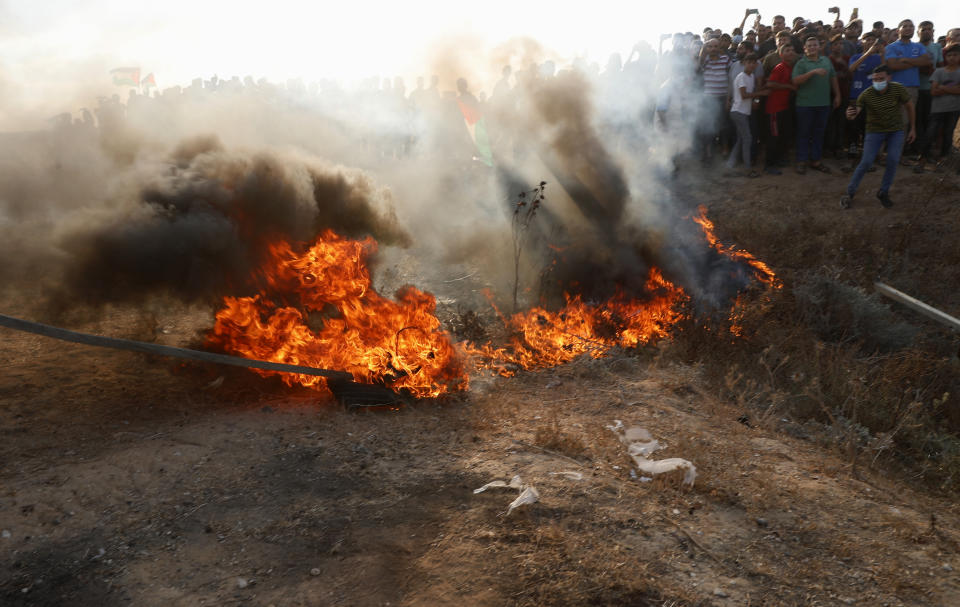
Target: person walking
[884, 102]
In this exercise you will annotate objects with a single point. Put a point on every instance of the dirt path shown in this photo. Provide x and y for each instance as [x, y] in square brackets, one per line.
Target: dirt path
[134, 481]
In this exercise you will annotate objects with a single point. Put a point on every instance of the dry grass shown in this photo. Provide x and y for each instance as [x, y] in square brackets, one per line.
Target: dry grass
[880, 403]
[551, 435]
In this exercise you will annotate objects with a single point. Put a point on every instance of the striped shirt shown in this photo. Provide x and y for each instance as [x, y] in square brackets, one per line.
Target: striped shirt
[715, 76]
[883, 109]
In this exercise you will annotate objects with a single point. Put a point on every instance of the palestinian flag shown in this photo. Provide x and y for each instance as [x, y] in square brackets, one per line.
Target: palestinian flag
[477, 127]
[126, 76]
[149, 81]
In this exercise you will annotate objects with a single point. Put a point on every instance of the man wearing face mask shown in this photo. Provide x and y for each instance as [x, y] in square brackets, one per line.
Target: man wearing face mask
[884, 102]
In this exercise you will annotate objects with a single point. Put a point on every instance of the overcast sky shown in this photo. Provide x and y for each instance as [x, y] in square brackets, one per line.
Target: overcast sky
[49, 45]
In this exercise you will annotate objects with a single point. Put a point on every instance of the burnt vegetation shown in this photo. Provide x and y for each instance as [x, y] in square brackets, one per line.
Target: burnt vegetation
[827, 359]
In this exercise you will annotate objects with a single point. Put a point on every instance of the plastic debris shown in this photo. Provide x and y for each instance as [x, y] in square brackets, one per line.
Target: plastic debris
[515, 483]
[641, 444]
[570, 475]
[528, 496]
[636, 434]
[667, 465]
[644, 449]
[616, 427]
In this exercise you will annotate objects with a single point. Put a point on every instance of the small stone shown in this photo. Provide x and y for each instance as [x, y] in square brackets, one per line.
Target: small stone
[5, 533]
[762, 522]
[720, 593]
[315, 571]
[947, 567]
[242, 583]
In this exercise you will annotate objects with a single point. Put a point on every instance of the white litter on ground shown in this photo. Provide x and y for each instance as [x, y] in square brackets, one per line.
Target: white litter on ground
[528, 494]
[641, 444]
[570, 475]
[515, 483]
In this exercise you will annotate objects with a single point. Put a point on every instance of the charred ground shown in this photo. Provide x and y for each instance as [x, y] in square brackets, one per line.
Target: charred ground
[824, 437]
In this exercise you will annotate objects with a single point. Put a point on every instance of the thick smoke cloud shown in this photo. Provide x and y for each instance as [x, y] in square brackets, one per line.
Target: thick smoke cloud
[200, 229]
[180, 195]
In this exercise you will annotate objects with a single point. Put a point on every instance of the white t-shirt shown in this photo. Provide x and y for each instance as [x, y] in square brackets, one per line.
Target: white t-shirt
[740, 104]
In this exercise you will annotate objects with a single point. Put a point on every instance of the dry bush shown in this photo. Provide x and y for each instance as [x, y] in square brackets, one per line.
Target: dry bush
[830, 353]
[840, 313]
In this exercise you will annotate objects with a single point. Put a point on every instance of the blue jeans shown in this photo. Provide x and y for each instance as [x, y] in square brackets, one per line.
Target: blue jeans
[811, 125]
[871, 147]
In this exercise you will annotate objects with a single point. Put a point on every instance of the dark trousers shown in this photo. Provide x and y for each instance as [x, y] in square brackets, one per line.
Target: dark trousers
[924, 99]
[777, 137]
[835, 137]
[811, 125]
[944, 120]
[856, 129]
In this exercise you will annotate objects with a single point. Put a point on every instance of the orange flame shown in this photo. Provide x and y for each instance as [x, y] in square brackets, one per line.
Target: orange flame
[545, 339]
[319, 309]
[377, 340]
[762, 271]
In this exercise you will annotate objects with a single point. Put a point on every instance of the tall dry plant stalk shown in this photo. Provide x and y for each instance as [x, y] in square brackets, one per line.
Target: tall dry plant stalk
[524, 211]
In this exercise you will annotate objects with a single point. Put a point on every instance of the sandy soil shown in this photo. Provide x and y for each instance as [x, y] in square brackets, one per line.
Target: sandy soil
[131, 480]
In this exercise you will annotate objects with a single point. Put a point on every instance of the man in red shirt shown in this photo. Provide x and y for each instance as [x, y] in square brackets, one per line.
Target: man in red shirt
[778, 107]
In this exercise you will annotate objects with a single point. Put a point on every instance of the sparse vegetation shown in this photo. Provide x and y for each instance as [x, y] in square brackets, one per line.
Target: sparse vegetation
[524, 211]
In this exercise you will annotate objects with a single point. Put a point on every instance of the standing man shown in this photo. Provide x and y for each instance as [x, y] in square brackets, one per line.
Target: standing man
[714, 66]
[945, 109]
[778, 108]
[815, 79]
[883, 102]
[905, 58]
[770, 44]
[924, 98]
[744, 96]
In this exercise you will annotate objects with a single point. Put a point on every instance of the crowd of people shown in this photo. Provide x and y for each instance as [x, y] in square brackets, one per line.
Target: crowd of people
[757, 99]
[828, 89]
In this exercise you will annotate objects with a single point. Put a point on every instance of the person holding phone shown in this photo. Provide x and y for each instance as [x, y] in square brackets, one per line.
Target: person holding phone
[883, 102]
[861, 78]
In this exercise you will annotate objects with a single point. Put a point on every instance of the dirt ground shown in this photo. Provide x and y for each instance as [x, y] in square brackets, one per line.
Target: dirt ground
[132, 480]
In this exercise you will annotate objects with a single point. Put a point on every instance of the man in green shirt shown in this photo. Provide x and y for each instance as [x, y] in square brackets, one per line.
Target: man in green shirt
[883, 102]
[814, 78]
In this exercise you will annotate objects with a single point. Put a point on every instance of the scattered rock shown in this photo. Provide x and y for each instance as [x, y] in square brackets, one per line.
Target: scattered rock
[242, 583]
[5, 533]
[946, 566]
[315, 571]
[762, 522]
[720, 593]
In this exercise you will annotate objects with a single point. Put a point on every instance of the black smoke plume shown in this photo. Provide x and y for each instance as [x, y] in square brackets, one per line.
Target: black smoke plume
[200, 229]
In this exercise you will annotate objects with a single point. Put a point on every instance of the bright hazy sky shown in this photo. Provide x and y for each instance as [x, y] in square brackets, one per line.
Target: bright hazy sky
[45, 42]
